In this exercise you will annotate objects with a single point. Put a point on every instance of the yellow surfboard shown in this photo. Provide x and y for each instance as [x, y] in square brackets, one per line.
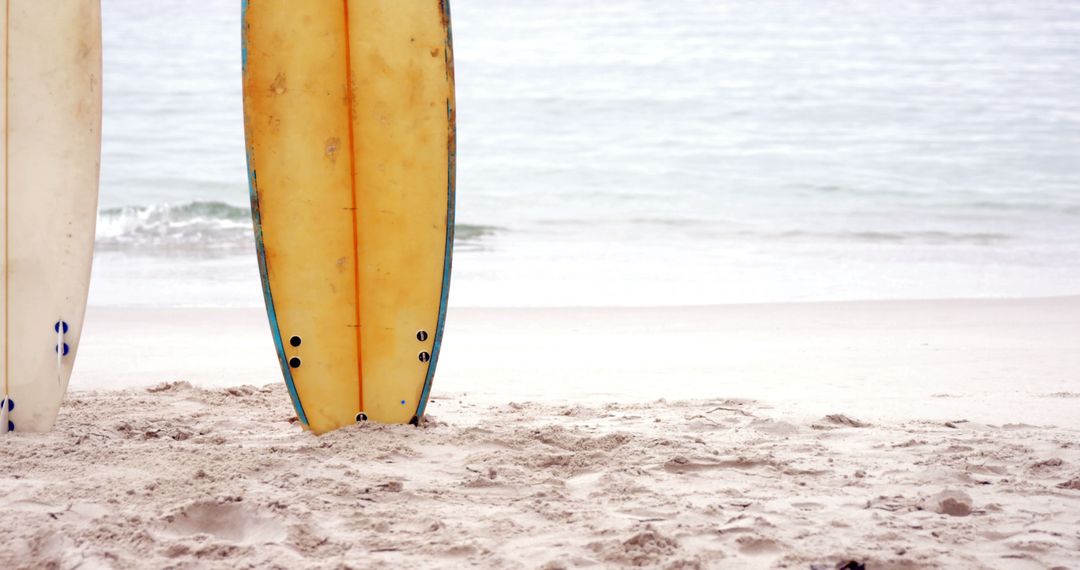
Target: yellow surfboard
[349, 118]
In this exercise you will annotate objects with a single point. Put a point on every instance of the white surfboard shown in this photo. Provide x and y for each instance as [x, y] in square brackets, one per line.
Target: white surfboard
[49, 162]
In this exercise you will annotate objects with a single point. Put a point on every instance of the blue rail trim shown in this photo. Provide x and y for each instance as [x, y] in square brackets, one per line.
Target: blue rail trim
[451, 173]
[260, 249]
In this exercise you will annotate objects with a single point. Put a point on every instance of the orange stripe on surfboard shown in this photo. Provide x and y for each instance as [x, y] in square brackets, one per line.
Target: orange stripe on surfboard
[352, 183]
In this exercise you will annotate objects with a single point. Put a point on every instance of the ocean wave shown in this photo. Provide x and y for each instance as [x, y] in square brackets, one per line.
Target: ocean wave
[726, 230]
[1040, 207]
[471, 237]
[198, 225]
[211, 227]
[927, 237]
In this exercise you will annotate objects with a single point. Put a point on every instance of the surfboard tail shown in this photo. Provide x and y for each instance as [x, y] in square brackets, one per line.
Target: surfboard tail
[349, 114]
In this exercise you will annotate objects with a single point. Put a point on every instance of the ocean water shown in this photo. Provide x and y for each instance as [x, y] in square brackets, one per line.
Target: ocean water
[653, 153]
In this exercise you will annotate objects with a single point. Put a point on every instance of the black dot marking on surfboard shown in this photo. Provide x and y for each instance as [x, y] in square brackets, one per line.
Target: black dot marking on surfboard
[11, 426]
[295, 362]
[424, 357]
[295, 341]
[421, 336]
[361, 417]
[415, 421]
[59, 324]
[10, 405]
[67, 349]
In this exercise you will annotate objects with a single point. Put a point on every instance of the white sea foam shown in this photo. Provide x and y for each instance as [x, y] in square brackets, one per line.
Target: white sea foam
[195, 225]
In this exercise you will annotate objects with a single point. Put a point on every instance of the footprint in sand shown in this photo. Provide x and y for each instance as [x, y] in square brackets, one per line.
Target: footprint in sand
[757, 545]
[232, 522]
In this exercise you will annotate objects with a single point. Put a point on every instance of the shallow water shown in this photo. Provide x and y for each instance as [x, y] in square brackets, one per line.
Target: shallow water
[653, 152]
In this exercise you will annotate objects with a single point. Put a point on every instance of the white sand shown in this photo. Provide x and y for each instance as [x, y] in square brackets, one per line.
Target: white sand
[905, 435]
[989, 361]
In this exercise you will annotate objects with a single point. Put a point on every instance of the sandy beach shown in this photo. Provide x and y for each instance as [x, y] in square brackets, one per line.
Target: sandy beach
[921, 434]
[726, 285]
